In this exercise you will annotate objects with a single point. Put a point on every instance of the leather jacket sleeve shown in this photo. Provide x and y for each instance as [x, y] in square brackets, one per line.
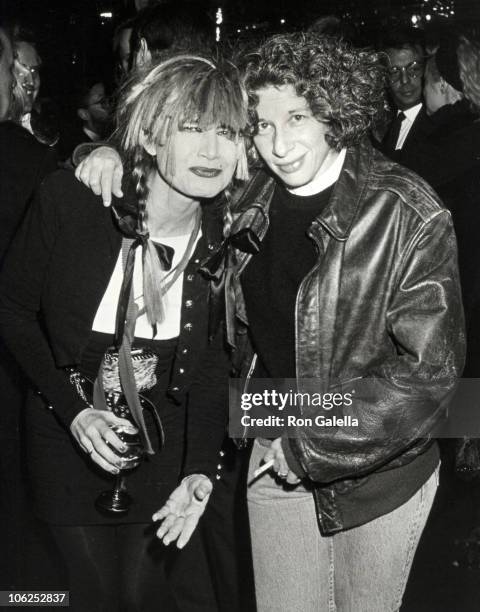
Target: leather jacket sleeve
[404, 397]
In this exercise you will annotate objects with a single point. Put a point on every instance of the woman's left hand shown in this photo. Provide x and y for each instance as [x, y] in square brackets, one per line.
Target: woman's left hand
[183, 509]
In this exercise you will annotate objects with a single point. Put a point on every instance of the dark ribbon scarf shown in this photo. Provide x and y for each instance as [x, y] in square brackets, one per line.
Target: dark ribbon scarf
[127, 313]
[165, 254]
[218, 269]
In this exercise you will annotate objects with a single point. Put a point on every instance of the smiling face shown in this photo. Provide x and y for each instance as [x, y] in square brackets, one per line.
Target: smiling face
[289, 138]
[197, 163]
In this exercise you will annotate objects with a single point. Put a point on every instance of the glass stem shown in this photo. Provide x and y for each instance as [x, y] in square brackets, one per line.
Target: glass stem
[120, 483]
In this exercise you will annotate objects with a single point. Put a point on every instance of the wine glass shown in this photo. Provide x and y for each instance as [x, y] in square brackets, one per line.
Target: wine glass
[118, 500]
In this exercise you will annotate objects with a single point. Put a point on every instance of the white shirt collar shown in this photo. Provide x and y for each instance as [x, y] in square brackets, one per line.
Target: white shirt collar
[323, 180]
[91, 134]
[26, 122]
[412, 112]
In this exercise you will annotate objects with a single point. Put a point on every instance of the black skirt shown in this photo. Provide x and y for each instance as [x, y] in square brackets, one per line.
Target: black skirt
[65, 481]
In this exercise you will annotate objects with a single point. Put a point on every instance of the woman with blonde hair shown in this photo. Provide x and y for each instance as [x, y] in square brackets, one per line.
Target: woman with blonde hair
[115, 297]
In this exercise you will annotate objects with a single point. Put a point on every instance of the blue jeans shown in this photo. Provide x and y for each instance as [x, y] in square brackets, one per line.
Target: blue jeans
[364, 569]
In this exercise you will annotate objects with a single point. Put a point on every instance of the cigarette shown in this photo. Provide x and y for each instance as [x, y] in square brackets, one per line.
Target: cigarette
[261, 470]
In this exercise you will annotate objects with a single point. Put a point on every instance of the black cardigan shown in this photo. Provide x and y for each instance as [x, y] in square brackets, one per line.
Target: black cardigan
[52, 282]
[24, 163]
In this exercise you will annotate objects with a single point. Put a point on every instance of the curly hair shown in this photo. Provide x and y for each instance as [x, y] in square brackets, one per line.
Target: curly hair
[468, 53]
[344, 87]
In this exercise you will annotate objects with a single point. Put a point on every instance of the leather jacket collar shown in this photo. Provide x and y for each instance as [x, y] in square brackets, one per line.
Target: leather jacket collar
[253, 204]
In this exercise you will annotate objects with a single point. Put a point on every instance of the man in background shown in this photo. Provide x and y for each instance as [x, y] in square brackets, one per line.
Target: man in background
[405, 56]
[182, 28]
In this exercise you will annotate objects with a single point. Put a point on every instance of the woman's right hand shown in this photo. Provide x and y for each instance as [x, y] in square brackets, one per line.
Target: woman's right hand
[92, 429]
[102, 172]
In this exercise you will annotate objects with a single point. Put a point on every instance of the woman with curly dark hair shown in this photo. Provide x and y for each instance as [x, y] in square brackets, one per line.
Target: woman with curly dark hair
[351, 281]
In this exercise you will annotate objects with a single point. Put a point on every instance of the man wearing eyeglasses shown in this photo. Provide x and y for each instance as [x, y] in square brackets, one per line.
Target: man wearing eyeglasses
[94, 111]
[405, 63]
[93, 121]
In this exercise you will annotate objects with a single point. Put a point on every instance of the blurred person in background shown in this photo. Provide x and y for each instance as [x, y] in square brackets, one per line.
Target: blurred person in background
[24, 164]
[154, 33]
[172, 27]
[405, 61]
[27, 70]
[331, 25]
[92, 120]
[40, 117]
[122, 49]
[94, 112]
[7, 80]
[25, 161]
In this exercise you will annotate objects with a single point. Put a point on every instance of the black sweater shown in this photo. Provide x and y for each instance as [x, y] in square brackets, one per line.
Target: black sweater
[24, 163]
[271, 313]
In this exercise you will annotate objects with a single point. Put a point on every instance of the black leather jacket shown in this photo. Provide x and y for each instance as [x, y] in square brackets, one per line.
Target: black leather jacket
[381, 303]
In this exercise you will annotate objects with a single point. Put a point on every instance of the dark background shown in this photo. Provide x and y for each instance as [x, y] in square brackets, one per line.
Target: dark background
[74, 39]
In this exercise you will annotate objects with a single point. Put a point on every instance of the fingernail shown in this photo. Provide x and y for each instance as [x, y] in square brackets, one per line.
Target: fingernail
[106, 203]
[116, 471]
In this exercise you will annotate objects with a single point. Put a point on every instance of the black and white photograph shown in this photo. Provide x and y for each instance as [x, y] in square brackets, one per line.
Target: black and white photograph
[239, 294]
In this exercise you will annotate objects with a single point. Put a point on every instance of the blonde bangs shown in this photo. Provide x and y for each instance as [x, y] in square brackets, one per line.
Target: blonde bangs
[182, 89]
[216, 101]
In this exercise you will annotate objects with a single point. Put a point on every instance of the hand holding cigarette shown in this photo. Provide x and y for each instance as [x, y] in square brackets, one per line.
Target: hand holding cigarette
[275, 458]
[261, 470]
